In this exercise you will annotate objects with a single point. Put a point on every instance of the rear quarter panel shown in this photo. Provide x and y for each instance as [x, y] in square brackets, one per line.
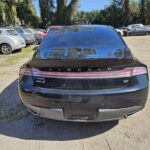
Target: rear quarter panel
[7, 40]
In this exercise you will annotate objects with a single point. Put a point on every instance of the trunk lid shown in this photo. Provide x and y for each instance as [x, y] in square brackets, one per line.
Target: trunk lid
[82, 72]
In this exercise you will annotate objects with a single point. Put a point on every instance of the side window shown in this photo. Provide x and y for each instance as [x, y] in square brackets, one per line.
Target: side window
[19, 30]
[0, 32]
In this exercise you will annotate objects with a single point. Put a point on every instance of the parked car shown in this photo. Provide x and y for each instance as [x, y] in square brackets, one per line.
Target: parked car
[10, 40]
[41, 32]
[50, 28]
[37, 35]
[134, 26]
[26, 34]
[139, 31]
[120, 31]
[83, 73]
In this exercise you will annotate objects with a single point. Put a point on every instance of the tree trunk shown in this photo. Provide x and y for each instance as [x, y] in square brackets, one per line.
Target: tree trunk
[71, 10]
[61, 12]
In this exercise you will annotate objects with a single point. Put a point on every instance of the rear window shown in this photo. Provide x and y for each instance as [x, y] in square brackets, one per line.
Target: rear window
[12, 32]
[82, 43]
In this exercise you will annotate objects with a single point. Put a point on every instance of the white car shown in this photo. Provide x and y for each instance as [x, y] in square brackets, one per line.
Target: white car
[10, 40]
[120, 31]
[134, 26]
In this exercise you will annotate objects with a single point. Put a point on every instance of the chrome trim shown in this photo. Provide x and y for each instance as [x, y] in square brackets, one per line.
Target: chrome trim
[103, 115]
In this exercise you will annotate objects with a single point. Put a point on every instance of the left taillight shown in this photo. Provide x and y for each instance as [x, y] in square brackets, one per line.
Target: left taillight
[25, 71]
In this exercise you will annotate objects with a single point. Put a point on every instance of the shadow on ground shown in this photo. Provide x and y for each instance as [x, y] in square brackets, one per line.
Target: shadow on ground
[16, 122]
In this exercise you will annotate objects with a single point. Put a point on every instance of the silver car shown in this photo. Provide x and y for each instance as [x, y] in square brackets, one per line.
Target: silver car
[10, 40]
[26, 34]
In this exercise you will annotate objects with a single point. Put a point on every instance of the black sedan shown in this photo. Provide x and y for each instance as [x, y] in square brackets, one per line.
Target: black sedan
[138, 31]
[83, 73]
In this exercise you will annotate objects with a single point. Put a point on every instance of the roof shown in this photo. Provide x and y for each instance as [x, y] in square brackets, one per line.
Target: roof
[6, 29]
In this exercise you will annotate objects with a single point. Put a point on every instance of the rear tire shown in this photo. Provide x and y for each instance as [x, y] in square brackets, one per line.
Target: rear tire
[5, 49]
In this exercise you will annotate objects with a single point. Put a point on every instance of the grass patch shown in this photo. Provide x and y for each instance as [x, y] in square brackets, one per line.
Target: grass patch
[17, 56]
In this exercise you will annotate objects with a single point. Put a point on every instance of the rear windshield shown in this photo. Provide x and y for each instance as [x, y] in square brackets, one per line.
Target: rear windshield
[82, 43]
[12, 32]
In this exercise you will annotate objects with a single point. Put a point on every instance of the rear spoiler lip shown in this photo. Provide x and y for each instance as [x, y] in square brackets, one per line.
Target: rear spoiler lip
[82, 63]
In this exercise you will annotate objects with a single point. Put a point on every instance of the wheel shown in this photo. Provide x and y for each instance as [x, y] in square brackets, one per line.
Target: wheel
[6, 49]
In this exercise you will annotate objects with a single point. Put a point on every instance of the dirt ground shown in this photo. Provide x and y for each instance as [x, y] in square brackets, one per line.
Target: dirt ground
[19, 130]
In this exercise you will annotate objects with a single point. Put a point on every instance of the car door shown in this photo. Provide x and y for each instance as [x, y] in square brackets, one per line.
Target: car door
[1, 36]
[140, 31]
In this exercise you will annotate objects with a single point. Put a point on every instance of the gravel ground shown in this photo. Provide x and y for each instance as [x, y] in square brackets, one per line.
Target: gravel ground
[21, 130]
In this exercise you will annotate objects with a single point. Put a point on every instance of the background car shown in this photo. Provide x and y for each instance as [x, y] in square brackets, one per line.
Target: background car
[120, 31]
[26, 34]
[134, 26]
[143, 30]
[10, 40]
[50, 28]
[83, 73]
[37, 35]
[42, 32]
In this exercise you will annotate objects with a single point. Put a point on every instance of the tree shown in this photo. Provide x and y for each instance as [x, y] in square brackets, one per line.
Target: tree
[134, 11]
[60, 13]
[2, 13]
[147, 13]
[27, 14]
[46, 8]
[143, 11]
[125, 11]
[70, 11]
[8, 14]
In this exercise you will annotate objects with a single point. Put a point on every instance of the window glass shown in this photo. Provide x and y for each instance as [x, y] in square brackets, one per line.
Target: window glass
[12, 32]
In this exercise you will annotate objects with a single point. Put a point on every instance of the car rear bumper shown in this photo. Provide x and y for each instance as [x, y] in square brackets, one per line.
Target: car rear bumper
[30, 41]
[92, 105]
[103, 114]
[19, 46]
[106, 107]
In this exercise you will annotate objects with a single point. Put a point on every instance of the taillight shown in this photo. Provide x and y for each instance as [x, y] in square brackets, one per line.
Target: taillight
[139, 71]
[25, 71]
[124, 73]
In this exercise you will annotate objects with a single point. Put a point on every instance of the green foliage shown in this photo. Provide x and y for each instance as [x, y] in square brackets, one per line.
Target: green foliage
[12, 12]
[2, 12]
[64, 12]
[46, 8]
[118, 13]
[9, 17]
[27, 14]
[147, 14]
[143, 11]
[58, 12]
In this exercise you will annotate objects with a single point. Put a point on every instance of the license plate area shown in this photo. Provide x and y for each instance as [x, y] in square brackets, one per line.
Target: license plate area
[80, 114]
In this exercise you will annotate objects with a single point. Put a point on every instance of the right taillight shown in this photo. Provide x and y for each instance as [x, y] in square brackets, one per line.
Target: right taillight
[124, 73]
[139, 71]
